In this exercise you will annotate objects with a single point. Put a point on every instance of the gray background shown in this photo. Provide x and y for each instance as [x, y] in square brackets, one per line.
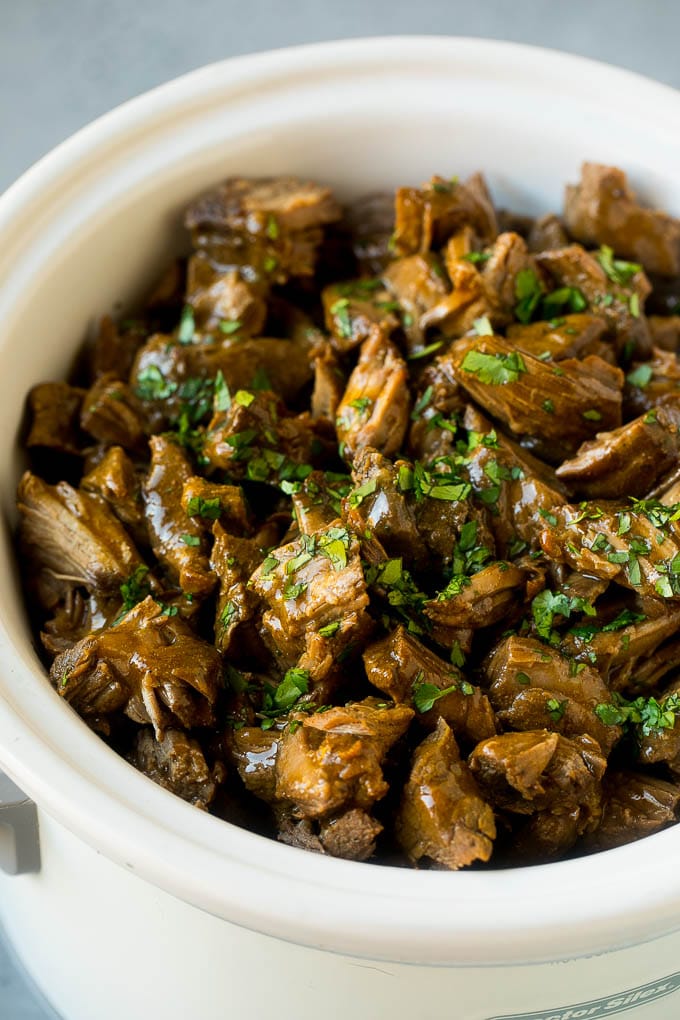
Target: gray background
[64, 62]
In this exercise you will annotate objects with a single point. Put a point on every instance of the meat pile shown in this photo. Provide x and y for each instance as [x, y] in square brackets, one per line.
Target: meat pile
[365, 531]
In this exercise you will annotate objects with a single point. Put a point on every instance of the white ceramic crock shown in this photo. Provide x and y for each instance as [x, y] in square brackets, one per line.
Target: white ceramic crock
[144, 906]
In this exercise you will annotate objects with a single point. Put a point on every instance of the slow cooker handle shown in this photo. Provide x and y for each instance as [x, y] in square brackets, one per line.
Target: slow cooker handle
[19, 838]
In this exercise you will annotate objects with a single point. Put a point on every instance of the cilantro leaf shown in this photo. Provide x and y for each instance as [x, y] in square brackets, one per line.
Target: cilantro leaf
[494, 369]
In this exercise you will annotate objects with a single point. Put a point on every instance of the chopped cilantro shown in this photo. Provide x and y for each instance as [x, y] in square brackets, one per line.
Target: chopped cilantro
[647, 713]
[477, 257]
[555, 708]
[208, 508]
[135, 589]
[482, 326]
[293, 591]
[528, 292]
[222, 397]
[494, 369]
[424, 352]
[421, 403]
[340, 311]
[152, 385]
[640, 376]
[187, 326]
[548, 604]
[230, 326]
[229, 615]
[334, 544]
[425, 695]
[330, 629]
[592, 415]
[192, 540]
[617, 270]
[561, 301]
[279, 700]
[362, 404]
[548, 406]
[358, 495]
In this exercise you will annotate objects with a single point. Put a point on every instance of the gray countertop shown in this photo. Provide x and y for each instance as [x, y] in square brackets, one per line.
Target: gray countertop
[64, 63]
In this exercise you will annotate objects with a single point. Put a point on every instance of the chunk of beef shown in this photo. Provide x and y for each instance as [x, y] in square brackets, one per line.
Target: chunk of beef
[223, 303]
[207, 502]
[74, 534]
[271, 225]
[634, 805]
[318, 501]
[117, 481]
[509, 257]
[647, 674]
[177, 539]
[547, 233]
[629, 460]
[661, 743]
[113, 415]
[519, 493]
[167, 293]
[533, 686]
[332, 760]
[176, 762]
[439, 403]
[329, 385]
[602, 209]
[233, 560]
[558, 407]
[282, 364]
[443, 816]
[374, 410]
[382, 506]
[159, 370]
[652, 383]
[150, 665]
[630, 656]
[257, 438]
[253, 752]
[116, 347]
[166, 373]
[556, 780]
[75, 615]
[620, 304]
[371, 223]
[418, 283]
[617, 542]
[570, 336]
[426, 217]
[54, 410]
[247, 204]
[308, 585]
[351, 835]
[665, 330]
[399, 663]
[478, 601]
[456, 312]
[354, 309]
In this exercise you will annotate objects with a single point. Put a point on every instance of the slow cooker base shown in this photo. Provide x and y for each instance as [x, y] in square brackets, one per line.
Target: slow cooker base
[101, 943]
